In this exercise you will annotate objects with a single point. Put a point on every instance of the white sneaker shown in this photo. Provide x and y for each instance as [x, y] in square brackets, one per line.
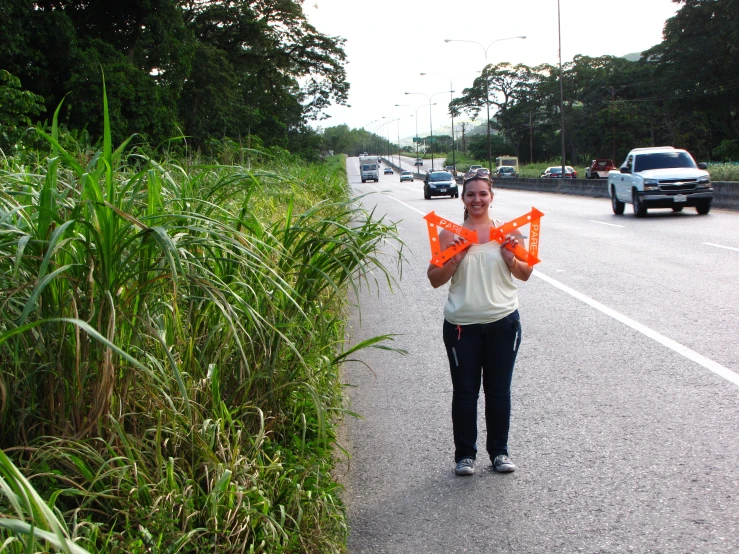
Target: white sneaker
[503, 464]
[465, 466]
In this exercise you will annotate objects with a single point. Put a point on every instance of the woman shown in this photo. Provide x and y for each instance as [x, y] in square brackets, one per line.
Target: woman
[482, 331]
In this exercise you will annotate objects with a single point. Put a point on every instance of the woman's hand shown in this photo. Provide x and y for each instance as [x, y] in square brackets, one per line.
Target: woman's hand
[459, 256]
[508, 255]
[519, 269]
[438, 276]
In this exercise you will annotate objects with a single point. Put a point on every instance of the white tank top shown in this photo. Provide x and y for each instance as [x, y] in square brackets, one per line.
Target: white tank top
[482, 288]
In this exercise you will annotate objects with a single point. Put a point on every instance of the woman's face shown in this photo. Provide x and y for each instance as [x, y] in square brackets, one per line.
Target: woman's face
[477, 196]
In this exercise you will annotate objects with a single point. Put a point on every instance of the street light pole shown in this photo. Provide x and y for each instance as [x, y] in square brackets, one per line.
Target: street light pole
[415, 108]
[451, 111]
[561, 98]
[397, 120]
[487, 85]
[431, 126]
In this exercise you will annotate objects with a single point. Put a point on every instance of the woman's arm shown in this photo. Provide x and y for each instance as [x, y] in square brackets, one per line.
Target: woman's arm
[519, 269]
[439, 276]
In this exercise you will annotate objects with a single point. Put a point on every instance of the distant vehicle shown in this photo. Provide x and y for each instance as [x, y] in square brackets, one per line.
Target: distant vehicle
[388, 171]
[406, 176]
[451, 169]
[379, 160]
[598, 169]
[474, 167]
[364, 154]
[368, 169]
[419, 161]
[506, 171]
[661, 177]
[507, 160]
[440, 183]
[555, 172]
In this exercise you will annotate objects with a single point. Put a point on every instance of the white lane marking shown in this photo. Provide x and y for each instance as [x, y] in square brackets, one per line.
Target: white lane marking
[722, 246]
[389, 195]
[603, 223]
[717, 368]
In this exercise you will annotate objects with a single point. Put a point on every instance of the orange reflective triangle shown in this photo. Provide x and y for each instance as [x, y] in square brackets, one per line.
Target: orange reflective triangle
[438, 258]
[533, 219]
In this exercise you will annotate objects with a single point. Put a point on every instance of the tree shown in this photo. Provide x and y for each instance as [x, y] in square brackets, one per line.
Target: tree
[697, 63]
[62, 48]
[509, 90]
[339, 139]
[284, 72]
[208, 68]
[16, 107]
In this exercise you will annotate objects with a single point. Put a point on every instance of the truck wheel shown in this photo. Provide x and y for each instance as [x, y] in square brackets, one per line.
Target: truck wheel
[426, 196]
[364, 180]
[703, 207]
[640, 210]
[616, 204]
[677, 208]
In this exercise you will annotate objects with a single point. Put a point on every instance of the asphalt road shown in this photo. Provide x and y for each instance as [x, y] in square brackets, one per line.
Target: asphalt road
[409, 163]
[625, 424]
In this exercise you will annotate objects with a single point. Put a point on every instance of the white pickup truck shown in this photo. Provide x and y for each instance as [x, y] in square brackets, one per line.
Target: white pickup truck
[660, 177]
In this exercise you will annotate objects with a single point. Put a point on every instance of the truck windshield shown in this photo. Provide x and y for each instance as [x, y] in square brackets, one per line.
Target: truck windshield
[369, 167]
[663, 160]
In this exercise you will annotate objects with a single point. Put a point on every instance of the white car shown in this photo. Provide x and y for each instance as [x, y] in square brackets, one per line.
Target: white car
[406, 176]
[506, 171]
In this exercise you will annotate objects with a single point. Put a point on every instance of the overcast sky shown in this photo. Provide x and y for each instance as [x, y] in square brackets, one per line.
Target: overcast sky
[390, 42]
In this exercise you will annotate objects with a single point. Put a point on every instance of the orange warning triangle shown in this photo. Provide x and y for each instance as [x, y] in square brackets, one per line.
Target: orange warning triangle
[439, 258]
[533, 219]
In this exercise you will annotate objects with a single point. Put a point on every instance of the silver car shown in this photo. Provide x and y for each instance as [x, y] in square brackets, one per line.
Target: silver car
[506, 171]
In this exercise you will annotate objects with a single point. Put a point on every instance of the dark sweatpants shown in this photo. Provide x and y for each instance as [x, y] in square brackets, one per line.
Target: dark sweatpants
[482, 353]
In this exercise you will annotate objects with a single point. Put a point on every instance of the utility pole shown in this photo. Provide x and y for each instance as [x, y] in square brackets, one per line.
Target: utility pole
[613, 124]
[561, 100]
[531, 141]
[464, 143]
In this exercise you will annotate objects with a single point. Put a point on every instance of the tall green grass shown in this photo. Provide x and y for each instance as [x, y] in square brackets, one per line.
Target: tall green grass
[724, 171]
[170, 337]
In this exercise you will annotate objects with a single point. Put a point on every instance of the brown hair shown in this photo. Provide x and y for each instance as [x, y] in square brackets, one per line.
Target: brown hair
[477, 178]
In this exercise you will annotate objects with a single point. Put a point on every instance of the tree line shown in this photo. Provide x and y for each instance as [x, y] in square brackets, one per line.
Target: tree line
[682, 92]
[215, 70]
[203, 69]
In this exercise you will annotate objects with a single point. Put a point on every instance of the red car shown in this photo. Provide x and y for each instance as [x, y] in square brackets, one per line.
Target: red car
[599, 169]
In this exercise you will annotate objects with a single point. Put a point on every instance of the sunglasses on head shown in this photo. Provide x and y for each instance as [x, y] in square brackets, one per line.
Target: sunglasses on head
[480, 173]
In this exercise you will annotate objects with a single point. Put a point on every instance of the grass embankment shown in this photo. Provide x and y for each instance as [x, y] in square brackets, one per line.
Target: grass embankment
[170, 343]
